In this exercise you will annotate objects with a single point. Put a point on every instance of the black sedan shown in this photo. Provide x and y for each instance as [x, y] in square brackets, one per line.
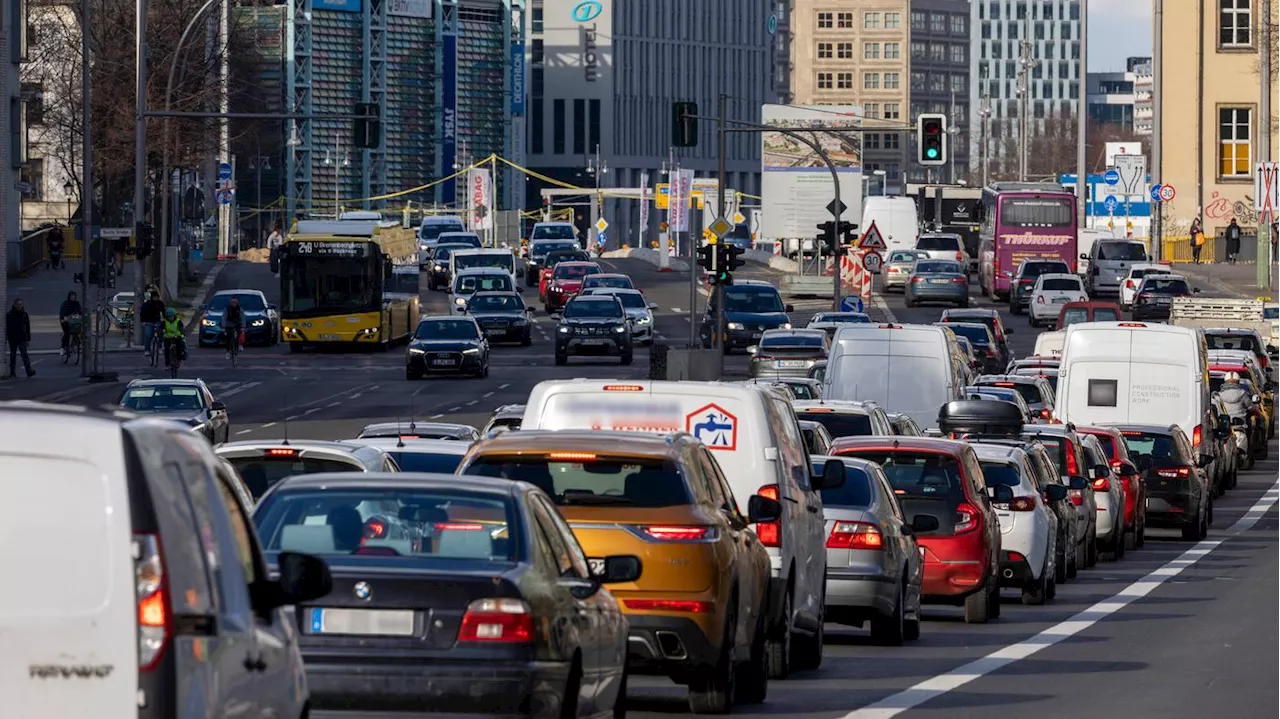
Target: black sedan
[1154, 298]
[188, 401]
[261, 323]
[447, 345]
[503, 316]
[593, 325]
[538, 252]
[469, 598]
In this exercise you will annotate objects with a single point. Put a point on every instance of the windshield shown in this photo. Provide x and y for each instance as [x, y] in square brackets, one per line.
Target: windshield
[1139, 273]
[503, 260]
[999, 474]
[584, 307]
[1161, 286]
[1029, 391]
[467, 284]
[573, 272]
[447, 330]
[163, 399]
[939, 243]
[330, 285]
[599, 281]
[1226, 341]
[248, 302]
[855, 492]
[1037, 212]
[262, 473]
[631, 300]
[410, 461]
[836, 317]
[1124, 251]
[840, 424]
[898, 256]
[762, 300]
[946, 268]
[496, 303]
[553, 232]
[589, 479]
[432, 231]
[978, 335]
[1035, 269]
[377, 522]
[542, 249]
[1156, 446]
[1061, 284]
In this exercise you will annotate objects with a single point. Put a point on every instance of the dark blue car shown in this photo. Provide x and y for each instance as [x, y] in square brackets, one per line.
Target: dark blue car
[261, 323]
[750, 308]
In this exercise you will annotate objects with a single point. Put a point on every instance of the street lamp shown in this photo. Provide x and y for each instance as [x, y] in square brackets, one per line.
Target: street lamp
[337, 171]
[67, 187]
[597, 167]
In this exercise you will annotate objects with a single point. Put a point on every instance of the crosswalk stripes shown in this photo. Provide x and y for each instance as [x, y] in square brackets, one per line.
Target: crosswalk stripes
[229, 389]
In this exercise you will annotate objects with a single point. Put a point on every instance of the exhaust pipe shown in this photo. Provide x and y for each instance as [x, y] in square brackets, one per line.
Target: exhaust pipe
[1008, 574]
[671, 646]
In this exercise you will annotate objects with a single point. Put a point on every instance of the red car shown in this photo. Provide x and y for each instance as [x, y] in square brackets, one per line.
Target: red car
[1074, 312]
[549, 263]
[565, 281]
[1135, 491]
[941, 477]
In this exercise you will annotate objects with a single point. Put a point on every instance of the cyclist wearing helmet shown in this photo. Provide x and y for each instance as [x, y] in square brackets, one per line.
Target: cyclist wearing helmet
[173, 333]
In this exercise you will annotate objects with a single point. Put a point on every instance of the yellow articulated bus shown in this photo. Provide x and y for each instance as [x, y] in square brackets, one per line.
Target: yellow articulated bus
[337, 285]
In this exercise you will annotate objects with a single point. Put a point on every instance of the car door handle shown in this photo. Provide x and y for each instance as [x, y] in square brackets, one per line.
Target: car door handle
[813, 508]
[255, 664]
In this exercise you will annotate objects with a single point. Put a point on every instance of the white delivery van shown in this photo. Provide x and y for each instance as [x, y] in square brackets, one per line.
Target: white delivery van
[1135, 373]
[754, 436]
[502, 259]
[913, 369]
[1049, 344]
[895, 218]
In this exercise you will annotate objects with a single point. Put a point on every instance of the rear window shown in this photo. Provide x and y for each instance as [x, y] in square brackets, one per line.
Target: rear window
[801, 391]
[790, 340]
[1156, 446]
[920, 474]
[840, 424]
[1126, 251]
[1161, 286]
[1061, 285]
[1057, 447]
[1108, 444]
[263, 473]
[855, 492]
[554, 232]
[938, 243]
[939, 267]
[1074, 315]
[1035, 269]
[1105, 314]
[1029, 392]
[1223, 341]
[999, 474]
[378, 523]
[978, 335]
[584, 478]
[1271, 313]
[563, 271]
[426, 461]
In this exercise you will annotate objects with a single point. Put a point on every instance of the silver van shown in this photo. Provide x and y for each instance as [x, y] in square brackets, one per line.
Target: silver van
[1109, 262]
[145, 593]
[913, 369]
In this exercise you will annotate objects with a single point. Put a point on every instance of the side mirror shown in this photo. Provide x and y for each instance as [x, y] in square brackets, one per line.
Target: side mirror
[1000, 493]
[763, 509]
[1127, 470]
[1144, 462]
[529, 310]
[832, 475]
[1099, 471]
[302, 578]
[1077, 482]
[619, 569]
[1055, 493]
[218, 407]
[1204, 460]
[924, 523]
[1195, 290]
[1084, 257]
[652, 305]
[788, 308]
[753, 349]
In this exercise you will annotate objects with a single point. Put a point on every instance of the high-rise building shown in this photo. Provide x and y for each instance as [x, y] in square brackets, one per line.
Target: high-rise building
[1113, 96]
[1038, 37]
[602, 79]
[940, 61]
[855, 52]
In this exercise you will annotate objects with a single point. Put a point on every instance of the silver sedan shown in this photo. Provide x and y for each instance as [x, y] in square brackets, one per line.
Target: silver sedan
[788, 353]
[897, 268]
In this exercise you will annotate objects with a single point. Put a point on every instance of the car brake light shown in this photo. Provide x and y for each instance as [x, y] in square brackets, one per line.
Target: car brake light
[959, 257]
[917, 279]
[966, 518]
[280, 452]
[504, 620]
[1133, 324]
[770, 533]
[1102, 485]
[680, 534]
[855, 535]
[1022, 504]
[1178, 473]
[572, 456]
[459, 527]
[667, 605]
[1115, 464]
[623, 388]
[1073, 469]
[1196, 436]
[1129, 284]
[153, 602]
[1026, 282]
[1045, 414]
[960, 280]
[890, 327]
[1077, 496]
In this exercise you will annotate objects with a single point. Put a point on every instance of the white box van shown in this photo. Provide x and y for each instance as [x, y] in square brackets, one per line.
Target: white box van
[911, 369]
[753, 434]
[1049, 344]
[1135, 373]
[895, 218]
[118, 605]
[469, 259]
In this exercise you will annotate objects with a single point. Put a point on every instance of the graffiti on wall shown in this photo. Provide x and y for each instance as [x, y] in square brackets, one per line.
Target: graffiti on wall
[1221, 210]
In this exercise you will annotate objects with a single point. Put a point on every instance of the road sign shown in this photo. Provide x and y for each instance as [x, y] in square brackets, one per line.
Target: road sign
[601, 225]
[224, 171]
[738, 219]
[720, 227]
[1111, 176]
[1266, 189]
[1110, 203]
[714, 426]
[1133, 172]
[115, 233]
[602, 237]
[851, 303]
[872, 262]
[1101, 191]
[871, 239]
[1155, 193]
[836, 207]
[1167, 193]
[224, 196]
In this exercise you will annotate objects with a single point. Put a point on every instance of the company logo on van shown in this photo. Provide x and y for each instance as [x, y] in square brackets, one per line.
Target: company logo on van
[70, 671]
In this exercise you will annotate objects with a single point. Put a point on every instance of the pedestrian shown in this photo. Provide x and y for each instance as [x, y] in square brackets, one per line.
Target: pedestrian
[17, 330]
[70, 309]
[1197, 240]
[274, 241]
[1233, 241]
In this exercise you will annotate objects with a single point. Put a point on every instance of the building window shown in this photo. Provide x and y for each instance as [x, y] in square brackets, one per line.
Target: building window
[958, 25]
[892, 171]
[537, 81]
[33, 174]
[871, 20]
[825, 50]
[892, 51]
[557, 127]
[959, 83]
[1233, 142]
[871, 110]
[938, 24]
[958, 54]
[918, 50]
[871, 141]
[891, 81]
[825, 80]
[536, 53]
[917, 81]
[844, 80]
[593, 123]
[870, 51]
[870, 81]
[918, 21]
[1234, 20]
[937, 52]
[844, 51]
[536, 145]
[579, 127]
[826, 20]
[535, 20]
[33, 99]
[891, 111]
[937, 82]
[892, 20]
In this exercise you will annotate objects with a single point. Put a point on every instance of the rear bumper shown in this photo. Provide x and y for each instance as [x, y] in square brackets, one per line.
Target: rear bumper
[958, 294]
[855, 596]
[1148, 311]
[487, 688]
[951, 581]
[667, 646]
[1171, 509]
[755, 370]
[1015, 572]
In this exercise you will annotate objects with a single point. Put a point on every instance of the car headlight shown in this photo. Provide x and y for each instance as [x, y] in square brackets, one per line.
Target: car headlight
[565, 330]
[785, 325]
[459, 300]
[416, 351]
[209, 323]
[472, 351]
[620, 329]
[646, 319]
[735, 326]
[257, 323]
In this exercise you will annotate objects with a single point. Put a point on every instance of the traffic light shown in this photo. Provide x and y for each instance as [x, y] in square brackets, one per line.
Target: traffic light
[827, 235]
[931, 139]
[733, 257]
[848, 234]
[835, 235]
[144, 240]
[368, 126]
[684, 124]
[726, 262]
[707, 259]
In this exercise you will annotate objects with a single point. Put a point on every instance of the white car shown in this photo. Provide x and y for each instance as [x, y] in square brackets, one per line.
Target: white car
[1050, 293]
[943, 246]
[1108, 492]
[639, 312]
[1028, 526]
[1129, 285]
[478, 279]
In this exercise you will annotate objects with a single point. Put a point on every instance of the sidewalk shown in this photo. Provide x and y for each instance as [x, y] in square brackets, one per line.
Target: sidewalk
[1236, 280]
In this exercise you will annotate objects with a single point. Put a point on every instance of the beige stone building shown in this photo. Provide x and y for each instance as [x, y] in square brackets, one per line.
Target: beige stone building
[1209, 111]
[857, 52]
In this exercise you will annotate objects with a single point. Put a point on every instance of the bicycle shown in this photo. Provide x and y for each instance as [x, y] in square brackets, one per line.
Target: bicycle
[156, 347]
[233, 344]
[74, 344]
[175, 358]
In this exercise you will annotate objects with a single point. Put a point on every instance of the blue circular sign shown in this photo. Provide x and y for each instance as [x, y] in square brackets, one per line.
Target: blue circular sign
[224, 171]
[1155, 193]
[1111, 177]
[1110, 203]
[771, 24]
[587, 10]
[851, 303]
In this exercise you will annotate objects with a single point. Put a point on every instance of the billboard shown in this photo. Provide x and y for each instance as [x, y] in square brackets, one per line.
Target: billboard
[409, 8]
[337, 5]
[480, 199]
[517, 78]
[795, 182]
[449, 118]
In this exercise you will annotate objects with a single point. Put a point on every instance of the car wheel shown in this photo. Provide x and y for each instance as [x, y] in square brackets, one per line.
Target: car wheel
[977, 606]
[1196, 532]
[1037, 592]
[626, 358]
[546, 307]
[484, 371]
[711, 691]
[753, 675]
[780, 646]
[807, 648]
[562, 359]
[890, 630]
[1052, 590]
[1140, 538]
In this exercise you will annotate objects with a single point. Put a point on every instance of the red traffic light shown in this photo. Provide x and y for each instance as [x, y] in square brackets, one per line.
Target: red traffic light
[933, 128]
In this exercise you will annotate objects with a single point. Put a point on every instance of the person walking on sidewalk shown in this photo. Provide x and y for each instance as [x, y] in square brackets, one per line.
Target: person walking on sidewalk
[70, 308]
[1197, 240]
[1233, 241]
[17, 330]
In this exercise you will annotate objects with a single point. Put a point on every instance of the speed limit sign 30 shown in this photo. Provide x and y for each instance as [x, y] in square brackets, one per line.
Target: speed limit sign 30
[872, 262]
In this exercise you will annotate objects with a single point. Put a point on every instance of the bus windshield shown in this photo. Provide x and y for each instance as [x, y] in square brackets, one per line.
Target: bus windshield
[314, 286]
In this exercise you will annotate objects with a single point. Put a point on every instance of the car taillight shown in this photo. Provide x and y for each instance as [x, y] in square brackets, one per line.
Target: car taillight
[855, 535]
[1073, 469]
[991, 351]
[1022, 504]
[917, 279]
[680, 534]
[960, 280]
[1179, 473]
[1196, 436]
[959, 257]
[459, 527]
[966, 518]
[668, 605]
[374, 529]
[1045, 414]
[1039, 299]
[1115, 465]
[770, 533]
[153, 600]
[1129, 284]
[505, 620]
[1102, 485]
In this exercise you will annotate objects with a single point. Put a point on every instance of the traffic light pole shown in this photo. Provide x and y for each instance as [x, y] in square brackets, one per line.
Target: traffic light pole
[721, 174]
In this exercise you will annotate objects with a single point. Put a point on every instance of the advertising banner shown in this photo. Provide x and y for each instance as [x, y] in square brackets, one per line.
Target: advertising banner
[681, 191]
[517, 78]
[796, 184]
[480, 199]
[449, 129]
[644, 203]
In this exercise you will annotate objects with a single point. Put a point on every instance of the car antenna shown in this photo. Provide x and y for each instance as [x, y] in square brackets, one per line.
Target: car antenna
[286, 433]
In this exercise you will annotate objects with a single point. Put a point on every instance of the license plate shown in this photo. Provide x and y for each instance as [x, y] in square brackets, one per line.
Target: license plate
[596, 564]
[369, 622]
[1059, 300]
[594, 343]
[939, 282]
[491, 333]
[443, 363]
[790, 363]
[333, 338]
[1164, 300]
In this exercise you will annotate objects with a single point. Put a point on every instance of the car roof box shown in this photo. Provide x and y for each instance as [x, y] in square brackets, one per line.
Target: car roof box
[980, 417]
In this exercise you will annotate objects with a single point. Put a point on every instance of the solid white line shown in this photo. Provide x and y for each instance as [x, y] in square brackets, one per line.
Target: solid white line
[929, 689]
[878, 301]
[244, 431]
[675, 310]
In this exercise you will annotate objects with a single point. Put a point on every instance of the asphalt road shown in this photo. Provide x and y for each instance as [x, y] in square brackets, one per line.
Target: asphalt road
[1174, 629]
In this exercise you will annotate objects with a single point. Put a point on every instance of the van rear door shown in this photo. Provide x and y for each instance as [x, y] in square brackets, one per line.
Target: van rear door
[68, 615]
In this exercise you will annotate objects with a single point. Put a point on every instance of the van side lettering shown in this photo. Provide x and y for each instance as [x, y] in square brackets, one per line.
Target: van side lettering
[72, 671]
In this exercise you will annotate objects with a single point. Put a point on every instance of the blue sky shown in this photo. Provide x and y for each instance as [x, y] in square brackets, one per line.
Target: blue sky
[1118, 29]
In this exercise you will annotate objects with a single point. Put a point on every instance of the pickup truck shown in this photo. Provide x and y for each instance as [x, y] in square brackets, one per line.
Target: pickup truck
[1225, 313]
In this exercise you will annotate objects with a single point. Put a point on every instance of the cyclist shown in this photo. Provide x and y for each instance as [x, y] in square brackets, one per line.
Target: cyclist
[174, 334]
[153, 312]
[232, 323]
[70, 308]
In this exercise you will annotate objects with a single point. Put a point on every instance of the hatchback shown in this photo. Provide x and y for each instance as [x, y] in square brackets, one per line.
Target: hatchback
[938, 281]
[1024, 280]
[1129, 285]
[787, 353]
[1135, 491]
[897, 268]
[1028, 525]
[1178, 493]
[262, 464]
[1154, 300]
[1051, 293]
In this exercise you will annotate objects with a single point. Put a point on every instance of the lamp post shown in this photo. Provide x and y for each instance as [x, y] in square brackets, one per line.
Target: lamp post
[596, 167]
[67, 189]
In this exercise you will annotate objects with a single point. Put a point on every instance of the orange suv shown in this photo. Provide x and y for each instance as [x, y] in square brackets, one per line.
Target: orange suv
[698, 612]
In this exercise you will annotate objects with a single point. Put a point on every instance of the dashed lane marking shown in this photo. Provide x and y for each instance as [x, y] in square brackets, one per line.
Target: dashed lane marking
[245, 431]
[437, 416]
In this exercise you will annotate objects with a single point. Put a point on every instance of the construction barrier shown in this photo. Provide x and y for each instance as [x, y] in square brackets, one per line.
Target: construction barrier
[1179, 249]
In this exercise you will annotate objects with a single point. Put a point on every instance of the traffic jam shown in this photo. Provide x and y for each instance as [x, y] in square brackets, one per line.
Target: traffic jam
[864, 476]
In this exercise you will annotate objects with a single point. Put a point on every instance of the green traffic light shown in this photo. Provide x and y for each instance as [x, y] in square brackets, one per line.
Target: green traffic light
[931, 153]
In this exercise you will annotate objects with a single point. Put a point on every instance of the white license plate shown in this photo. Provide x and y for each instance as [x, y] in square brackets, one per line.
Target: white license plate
[1164, 300]
[790, 363]
[443, 363]
[596, 564]
[370, 622]
[333, 338]
[939, 282]
[594, 343]
[1059, 300]
[491, 333]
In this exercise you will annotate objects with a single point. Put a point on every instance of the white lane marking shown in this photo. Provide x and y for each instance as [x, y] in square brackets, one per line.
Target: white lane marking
[245, 431]
[487, 395]
[503, 386]
[237, 389]
[455, 409]
[268, 424]
[436, 416]
[929, 689]
[312, 410]
[334, 404]
[878, 302]
[676, 310]
[472, 402]
[290, 419]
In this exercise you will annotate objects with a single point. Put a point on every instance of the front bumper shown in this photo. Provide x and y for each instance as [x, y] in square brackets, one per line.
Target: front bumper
[507, 332]
[443, 363]
[211, 336]
[598, 345]
[438, 278]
